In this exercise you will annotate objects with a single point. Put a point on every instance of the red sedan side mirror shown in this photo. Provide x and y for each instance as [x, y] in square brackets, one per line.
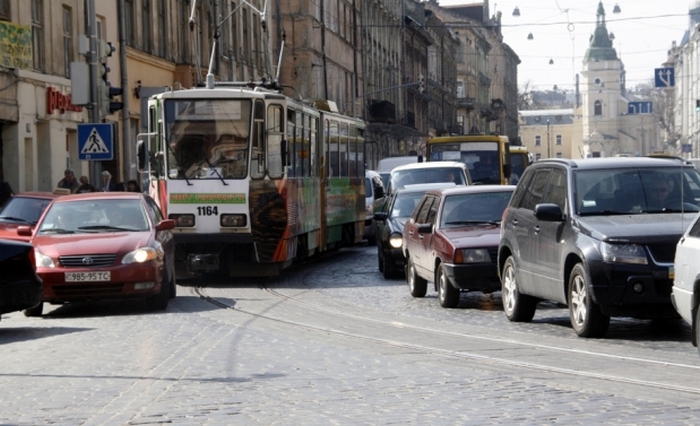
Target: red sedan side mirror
[165, 224]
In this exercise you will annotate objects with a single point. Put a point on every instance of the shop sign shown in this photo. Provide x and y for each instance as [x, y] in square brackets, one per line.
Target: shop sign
[57, 100]
[16, 46]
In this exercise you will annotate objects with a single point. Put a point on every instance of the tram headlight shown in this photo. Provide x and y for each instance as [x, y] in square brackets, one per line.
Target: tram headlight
[233, 220]
[183, 220]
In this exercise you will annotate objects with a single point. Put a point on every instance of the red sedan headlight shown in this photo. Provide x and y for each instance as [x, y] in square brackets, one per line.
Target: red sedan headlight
[140, 255]
[472, 256]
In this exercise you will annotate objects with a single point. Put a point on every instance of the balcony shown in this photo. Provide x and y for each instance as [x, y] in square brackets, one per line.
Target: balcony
[467, 103]
[382, 112]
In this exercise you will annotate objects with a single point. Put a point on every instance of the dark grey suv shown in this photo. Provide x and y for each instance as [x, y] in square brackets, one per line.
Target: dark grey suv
[598, 235]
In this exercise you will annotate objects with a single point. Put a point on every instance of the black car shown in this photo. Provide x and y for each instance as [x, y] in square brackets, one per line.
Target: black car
[20, 287]
[389, 218]
[598, 235]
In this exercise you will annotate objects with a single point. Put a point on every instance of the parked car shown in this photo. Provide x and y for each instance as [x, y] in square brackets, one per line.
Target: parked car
[20, 287]
[104, 245]
[685, 293]
[389, 225]
[451, 240]
[598, 235]
[23, 209]
[432, 172]
[374, 189]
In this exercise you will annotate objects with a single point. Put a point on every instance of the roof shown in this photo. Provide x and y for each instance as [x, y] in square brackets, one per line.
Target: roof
[102, 196]
[37, 194]
[612, 162]
[430, 165]
[473, 189]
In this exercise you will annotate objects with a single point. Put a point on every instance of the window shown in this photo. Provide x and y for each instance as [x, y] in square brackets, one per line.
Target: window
[257, 159]
[275, 135]
[538, 140]
[147, 23]
[558, 139]
[535, 190]
[67, 40]
[5, 10]
[598, 108]
[38, 34]
[129, 22]
[538, 156]
[162, 28]
[559, 155]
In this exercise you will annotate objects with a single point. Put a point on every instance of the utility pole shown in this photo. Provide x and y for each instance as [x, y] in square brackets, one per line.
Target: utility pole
[95, 166]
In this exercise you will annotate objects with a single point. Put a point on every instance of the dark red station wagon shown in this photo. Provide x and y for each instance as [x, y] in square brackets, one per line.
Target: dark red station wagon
[451, 239]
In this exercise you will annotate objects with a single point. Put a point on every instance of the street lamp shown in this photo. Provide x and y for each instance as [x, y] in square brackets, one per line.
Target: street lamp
[549, 142]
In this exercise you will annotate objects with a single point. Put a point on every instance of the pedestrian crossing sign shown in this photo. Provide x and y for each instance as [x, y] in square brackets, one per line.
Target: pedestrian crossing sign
[95, 142]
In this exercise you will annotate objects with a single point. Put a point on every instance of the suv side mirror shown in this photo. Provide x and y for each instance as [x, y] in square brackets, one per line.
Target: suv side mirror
[549, 212]
[425, 228]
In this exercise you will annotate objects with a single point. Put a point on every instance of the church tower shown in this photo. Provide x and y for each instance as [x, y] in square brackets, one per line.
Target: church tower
[603, 81]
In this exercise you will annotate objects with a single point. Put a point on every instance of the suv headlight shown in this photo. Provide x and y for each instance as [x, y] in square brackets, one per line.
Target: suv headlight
[623, 253]
[42, 260]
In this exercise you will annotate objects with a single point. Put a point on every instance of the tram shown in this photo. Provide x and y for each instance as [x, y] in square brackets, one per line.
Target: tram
[254, 179]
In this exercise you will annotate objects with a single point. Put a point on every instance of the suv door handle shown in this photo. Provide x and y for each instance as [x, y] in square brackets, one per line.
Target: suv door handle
[537, 229]
[515, 222]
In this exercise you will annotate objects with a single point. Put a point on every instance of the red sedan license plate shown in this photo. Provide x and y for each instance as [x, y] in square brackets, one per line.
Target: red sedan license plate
[87, 276]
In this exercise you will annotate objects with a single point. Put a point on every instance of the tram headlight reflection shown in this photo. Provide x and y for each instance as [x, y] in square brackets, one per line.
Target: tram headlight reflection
[233, 220]
[183, 220]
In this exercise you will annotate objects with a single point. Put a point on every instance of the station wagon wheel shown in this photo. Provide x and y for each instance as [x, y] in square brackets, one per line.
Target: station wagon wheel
[416, 285]
[586, 317]
[447, 294]
[35, 311]
[517, 307]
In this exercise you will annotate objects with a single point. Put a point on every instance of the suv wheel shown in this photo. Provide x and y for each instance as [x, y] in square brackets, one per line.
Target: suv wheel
[586, 317]
[696, 327]
[416, 285]
[447, 294]
[517, 307]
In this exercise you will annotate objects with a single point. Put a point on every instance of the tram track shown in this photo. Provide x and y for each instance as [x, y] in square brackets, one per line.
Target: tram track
[312, 311]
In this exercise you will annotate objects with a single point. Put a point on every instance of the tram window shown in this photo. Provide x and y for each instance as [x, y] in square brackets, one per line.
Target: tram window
[344, 150]
[333, 148]
[257, 157]
[304, 154]
[352, 152]
[291, 165]
[313, 140]
[275, 135]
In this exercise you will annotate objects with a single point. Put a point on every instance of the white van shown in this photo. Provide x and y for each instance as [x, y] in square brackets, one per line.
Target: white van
[386, 165]
[431, 172]
[374, 189]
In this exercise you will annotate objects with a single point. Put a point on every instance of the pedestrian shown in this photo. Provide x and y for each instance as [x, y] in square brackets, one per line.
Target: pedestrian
[132, 186]
[108, 185]
[69, 181]
[6, 192]
[85, 186]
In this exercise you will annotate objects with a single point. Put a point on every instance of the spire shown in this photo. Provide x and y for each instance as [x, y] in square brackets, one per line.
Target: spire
[600, 44]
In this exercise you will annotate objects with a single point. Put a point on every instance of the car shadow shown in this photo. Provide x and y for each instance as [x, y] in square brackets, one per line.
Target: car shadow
[24, 333]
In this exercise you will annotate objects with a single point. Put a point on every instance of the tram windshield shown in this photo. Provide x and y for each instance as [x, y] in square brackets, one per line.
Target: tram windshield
[207, 138]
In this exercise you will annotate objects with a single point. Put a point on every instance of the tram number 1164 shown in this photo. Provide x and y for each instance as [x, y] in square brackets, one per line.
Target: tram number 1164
[208, 211]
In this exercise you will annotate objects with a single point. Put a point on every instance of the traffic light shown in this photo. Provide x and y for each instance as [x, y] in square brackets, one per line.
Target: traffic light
[421, 83]
[106, 93]
[697, 105]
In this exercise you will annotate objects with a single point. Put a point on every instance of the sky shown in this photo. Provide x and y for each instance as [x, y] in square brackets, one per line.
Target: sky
[644, 31]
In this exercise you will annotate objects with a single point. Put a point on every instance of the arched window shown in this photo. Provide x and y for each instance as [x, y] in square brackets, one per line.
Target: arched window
[598, 108]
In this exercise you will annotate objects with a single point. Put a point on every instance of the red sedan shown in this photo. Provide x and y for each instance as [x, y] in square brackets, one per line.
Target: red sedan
[23, 209]
[451, 239]
[106, 245]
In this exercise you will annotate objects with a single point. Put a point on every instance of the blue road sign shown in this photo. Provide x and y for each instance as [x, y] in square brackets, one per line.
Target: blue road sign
[664, 77]
[639, 108]
[95, 142]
